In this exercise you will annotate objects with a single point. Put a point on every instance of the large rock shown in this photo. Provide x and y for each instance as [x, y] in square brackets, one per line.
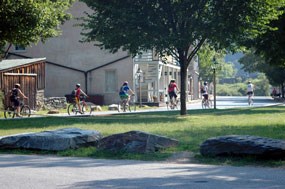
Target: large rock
[241, 145]
[135, 142]
[56, 140]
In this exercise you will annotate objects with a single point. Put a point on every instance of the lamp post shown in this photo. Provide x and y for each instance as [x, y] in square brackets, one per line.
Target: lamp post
[214, 67]
[139, 75]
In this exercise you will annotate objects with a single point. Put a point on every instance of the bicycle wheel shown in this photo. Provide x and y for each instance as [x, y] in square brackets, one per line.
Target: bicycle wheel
[86, 109]
[178, 104]
[119, 106]
[210, 103]
[203, 103]
[72, 109]
[132, 106]
[9, 112]
[124, 107]
[25, 111]
[167, 105]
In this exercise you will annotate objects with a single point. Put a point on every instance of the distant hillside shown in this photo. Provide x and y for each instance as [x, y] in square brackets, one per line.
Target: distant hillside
[234, 58]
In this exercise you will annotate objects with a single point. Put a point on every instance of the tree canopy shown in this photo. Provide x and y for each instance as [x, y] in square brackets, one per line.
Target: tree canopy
[177, 27]
[271, 45]
[27, 21]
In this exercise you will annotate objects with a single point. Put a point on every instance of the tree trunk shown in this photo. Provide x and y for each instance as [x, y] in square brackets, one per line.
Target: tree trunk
[183, 74]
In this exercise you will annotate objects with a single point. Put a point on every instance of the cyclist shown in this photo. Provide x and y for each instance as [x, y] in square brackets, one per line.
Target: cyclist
[79, 92]
[204, 91]
[15, 96]
[172, 91]
[250, 88]
[124, 92]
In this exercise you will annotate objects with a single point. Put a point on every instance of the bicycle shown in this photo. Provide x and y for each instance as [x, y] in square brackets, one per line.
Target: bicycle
[73, 107]
[123, 105]
[173, 104]
[206, 103]
[250, 100]
[10, 111]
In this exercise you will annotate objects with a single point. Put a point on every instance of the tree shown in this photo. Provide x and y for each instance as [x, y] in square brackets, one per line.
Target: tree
[27, 21]
[275, 73]
[271, 45]
[176, 27]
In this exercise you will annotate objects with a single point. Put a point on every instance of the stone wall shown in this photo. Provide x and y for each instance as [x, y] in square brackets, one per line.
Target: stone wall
[50, 103]
[55, 103]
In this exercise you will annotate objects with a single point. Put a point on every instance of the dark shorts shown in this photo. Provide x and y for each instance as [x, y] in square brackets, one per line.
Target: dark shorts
[172, 94]
[250, 93]
[206, 96]
[16, 102]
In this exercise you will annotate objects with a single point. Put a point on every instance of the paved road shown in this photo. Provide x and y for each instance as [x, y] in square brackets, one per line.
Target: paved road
[28, 172]
[222, 102]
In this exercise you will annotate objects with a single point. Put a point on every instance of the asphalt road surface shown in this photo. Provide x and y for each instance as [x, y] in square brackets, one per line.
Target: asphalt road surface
[47, 172]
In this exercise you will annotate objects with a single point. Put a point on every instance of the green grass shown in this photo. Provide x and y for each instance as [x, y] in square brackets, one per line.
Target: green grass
[190, 130]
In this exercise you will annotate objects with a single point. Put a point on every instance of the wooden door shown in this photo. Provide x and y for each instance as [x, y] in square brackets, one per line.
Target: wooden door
[28, 84]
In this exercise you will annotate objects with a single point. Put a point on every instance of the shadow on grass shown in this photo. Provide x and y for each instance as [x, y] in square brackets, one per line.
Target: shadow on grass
[131, 119]
[44, 122]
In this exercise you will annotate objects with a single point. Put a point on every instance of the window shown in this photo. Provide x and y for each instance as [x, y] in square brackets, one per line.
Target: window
[110, 81]
[19, 48]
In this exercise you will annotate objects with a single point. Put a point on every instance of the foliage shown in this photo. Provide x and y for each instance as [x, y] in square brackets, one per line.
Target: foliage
[27, 21]
[237, 89]
[206, 55]
[177, 28]
[274, 73]
[271, 45]
[191, 131]
[261, 88]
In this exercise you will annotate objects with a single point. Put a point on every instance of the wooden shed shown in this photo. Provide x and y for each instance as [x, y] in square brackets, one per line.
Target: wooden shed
[30, 73]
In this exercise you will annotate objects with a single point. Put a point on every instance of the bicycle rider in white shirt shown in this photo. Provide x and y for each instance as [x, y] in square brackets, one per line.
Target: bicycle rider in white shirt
[250, 88]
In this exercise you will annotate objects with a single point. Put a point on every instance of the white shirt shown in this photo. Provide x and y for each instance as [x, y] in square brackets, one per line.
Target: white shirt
[250, 87]
[205, 89]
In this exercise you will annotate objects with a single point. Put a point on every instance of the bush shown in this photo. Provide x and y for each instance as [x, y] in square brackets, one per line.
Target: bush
[230, 90]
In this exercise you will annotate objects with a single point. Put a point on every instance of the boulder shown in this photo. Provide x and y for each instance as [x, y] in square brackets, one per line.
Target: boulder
[243, 145]
[135, 142]
[113, 107]
[56, 140]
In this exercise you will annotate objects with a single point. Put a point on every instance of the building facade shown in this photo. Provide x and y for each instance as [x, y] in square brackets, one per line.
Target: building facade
[68, 61]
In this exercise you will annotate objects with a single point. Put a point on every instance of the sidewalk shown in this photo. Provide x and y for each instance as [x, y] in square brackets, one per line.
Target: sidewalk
[45, 172]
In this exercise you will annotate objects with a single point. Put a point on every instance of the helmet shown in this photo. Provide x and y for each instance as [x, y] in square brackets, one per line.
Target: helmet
[78, 85]
[125, 83]
[172, 80]
[17, 85]
[205, 83]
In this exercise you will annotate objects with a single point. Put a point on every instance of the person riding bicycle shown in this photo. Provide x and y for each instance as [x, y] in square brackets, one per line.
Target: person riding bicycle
[204, 91]
[78, 93]
[124, 92]
[173, 90]
[16, 93]
[249, 90]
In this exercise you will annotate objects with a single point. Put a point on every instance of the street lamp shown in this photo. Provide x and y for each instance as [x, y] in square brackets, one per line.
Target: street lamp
[214, 67]
[139, 75]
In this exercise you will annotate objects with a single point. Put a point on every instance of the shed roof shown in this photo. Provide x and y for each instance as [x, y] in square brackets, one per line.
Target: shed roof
[6, 64]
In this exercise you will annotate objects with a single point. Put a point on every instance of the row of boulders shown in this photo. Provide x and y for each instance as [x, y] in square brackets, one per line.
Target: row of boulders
[73, 138]
[142, 142]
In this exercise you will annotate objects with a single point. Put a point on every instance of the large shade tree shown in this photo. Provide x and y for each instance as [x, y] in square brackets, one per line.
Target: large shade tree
[176, 27]
[271, 45]
[28, 21]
